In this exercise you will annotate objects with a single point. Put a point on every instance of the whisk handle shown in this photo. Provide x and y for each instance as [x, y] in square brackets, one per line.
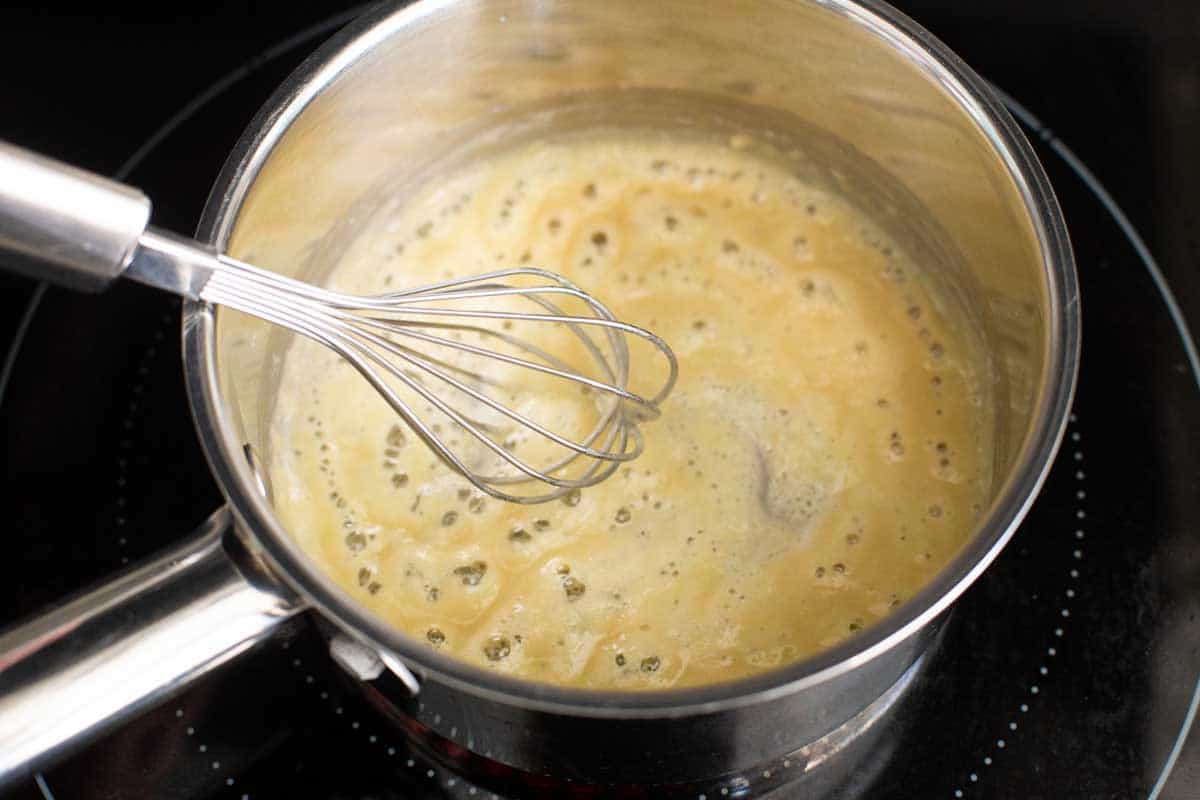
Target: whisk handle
[66, 225]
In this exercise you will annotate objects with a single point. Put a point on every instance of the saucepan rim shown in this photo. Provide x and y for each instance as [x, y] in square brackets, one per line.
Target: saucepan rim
[257, 522]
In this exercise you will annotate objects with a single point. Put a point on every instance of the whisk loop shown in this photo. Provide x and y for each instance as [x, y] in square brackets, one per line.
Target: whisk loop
[411, 346]
[501, 393]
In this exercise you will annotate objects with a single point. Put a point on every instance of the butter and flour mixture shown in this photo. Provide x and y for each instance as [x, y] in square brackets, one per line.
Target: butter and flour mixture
[820, 459]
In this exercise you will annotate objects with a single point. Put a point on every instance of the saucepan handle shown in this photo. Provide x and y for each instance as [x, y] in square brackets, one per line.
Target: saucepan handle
[110, 653]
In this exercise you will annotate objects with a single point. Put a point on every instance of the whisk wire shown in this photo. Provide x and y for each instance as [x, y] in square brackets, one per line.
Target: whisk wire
[422, 361]
[557, 368]
[285, 314]
[362, 330]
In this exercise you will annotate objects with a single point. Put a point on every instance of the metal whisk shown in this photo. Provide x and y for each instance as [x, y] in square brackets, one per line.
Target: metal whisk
[483, 354]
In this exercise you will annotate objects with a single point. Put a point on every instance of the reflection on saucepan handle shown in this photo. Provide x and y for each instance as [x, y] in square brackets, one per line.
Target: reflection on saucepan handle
[66, 225]
[110, 653]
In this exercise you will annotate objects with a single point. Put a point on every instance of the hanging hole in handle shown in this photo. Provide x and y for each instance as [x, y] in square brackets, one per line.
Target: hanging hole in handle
[367, 664]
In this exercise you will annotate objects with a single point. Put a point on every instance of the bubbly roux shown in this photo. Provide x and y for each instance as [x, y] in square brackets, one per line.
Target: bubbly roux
[822, 456]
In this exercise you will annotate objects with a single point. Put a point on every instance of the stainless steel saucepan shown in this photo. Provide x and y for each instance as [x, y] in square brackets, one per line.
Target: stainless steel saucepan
[856, 97]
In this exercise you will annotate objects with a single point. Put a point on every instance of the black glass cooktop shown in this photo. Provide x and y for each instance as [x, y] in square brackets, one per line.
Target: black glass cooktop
[1069, 671]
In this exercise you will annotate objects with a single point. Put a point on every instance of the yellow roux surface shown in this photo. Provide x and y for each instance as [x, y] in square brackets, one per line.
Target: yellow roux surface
[822, 456]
